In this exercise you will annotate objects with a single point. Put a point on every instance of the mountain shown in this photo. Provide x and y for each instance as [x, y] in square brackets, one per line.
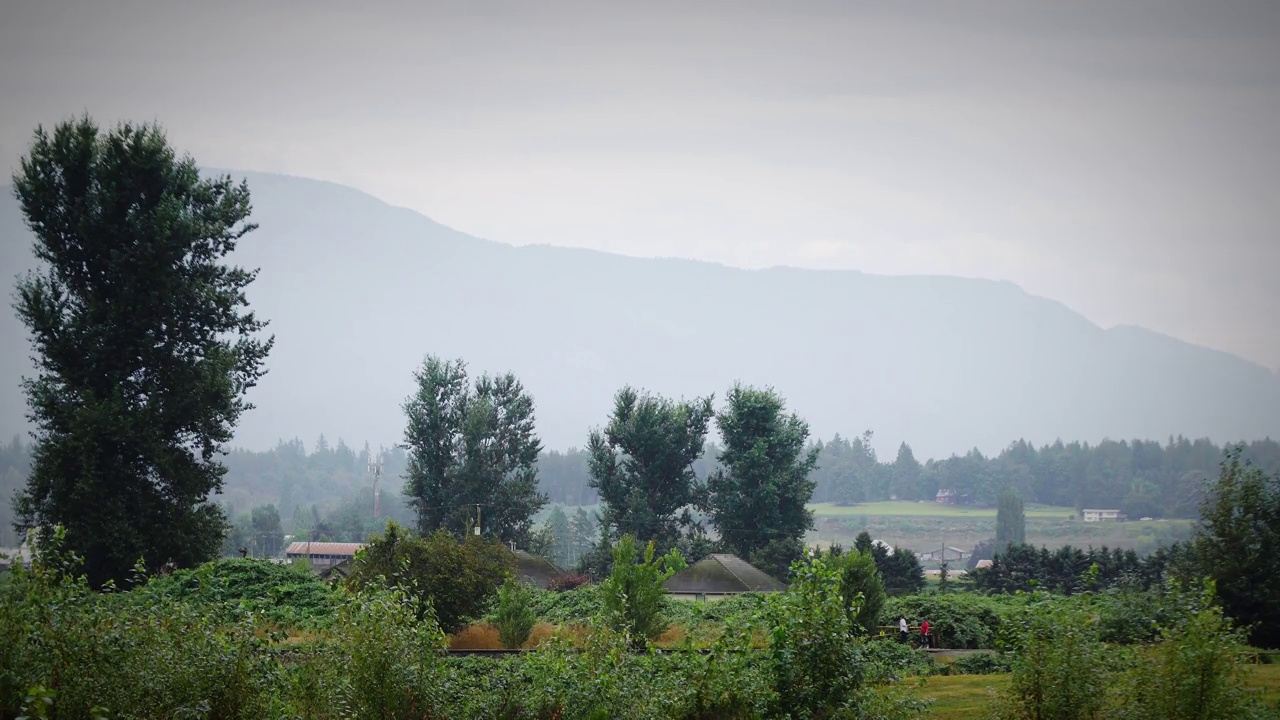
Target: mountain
[357, 291]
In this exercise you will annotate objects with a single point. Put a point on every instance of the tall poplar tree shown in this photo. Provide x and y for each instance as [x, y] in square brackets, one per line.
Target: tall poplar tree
[1011, 521]
[144, 344]
[758, 500]
[642, 465]
[472, 444]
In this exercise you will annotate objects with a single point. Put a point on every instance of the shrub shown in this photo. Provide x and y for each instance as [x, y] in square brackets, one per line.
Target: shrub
[632, 596]
[515, 616]
[457, 579]
[957, 620]
[861, 587]
[229, 589]
[983, 663]
[1195, 671]
[815, 661]
[567, 581]
[1061, 668]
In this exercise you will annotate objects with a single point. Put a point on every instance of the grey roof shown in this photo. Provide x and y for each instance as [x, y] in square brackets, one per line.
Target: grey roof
[720, 573]
[534, 570]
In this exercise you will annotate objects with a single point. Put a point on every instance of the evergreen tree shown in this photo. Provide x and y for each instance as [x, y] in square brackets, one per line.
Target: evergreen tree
[641, 464]
[144, 343]
[1238, 545]
[471, 446]
[1011, 521]
[758, 500]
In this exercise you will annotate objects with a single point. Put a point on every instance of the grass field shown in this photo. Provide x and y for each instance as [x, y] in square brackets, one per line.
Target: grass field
[968, 697]
[931, 509]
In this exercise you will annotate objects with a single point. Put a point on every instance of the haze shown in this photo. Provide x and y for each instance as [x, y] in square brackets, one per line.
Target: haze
[1120, 160]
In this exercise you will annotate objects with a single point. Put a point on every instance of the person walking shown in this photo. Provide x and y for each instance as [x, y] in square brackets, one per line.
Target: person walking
[903, 630]
[925, 640]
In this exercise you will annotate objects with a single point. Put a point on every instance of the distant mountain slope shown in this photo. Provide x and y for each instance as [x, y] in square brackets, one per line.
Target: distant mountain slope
[358, 291]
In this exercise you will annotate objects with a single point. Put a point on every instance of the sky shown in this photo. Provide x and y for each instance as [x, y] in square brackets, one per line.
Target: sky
[1121, 158]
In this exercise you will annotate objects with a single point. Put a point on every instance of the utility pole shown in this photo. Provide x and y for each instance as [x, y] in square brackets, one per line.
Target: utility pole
[477, 531]
[375, 468]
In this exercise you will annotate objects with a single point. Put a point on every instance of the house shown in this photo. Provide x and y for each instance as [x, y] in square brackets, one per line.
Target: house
[718, 576]
[946, 496]
[534, 570]
[322, 555]
[1102, 515]
[13, 556]
[985, 563]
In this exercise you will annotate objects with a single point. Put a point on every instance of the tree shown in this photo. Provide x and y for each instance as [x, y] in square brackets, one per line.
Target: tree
[268, 537]
[901, 571]
[471, 446]
[515, 616]
[632, 595]
[641, 464]
[458, 578]
[1011, 522]
[758, 499]
[144, 343]
[906, 475]
[1238, 545]
[860, 586]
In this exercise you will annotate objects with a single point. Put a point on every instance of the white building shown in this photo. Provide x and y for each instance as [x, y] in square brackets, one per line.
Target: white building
[322, 555]
[1102, 515]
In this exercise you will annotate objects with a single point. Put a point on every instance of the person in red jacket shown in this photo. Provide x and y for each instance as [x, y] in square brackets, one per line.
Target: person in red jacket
[925, 640]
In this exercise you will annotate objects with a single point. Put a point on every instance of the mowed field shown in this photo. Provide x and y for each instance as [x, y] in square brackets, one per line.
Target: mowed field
[932, 509]
[969, 697]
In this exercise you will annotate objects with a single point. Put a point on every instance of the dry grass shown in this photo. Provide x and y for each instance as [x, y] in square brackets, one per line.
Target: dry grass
[542, 631]
[480, 636]
[673, 637]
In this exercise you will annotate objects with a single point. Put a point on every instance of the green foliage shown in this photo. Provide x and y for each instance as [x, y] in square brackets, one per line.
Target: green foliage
[957, 620]
[641, 464]
[1011, 521]
[759, 495]
[515, 616]
[1195, 671]
[120, 653]
[230, 590]
[458, 579]
[632, 597]
[1238, 546]
[468, 446]
[390, 647]
[860, 586]
[144, 346]
[983, 663]
[1061, 668]
[817, 664]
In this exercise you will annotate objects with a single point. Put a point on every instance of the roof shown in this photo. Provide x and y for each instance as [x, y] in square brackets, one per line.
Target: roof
[535, 570]
[323, 548]
[1099, 511]
[721, 573]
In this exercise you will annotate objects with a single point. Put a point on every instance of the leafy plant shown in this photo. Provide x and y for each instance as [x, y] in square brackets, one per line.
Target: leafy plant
[632, 596]
[515, 615]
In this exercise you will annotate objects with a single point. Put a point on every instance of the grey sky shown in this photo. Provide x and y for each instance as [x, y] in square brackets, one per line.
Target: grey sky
[1119, 157]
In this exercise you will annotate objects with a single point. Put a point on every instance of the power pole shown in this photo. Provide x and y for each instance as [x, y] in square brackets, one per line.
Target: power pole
[477, 531]
[375, 468]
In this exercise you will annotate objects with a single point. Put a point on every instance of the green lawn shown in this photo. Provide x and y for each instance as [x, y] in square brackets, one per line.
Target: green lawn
[968, 697]
[931, 509]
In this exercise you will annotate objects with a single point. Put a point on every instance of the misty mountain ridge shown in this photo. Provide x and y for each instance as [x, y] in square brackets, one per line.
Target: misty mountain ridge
[358, 291]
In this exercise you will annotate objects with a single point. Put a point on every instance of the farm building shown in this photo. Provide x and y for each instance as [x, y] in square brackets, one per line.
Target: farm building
[1102, 515]
[322, 555]
[718, 576]
[945, 554]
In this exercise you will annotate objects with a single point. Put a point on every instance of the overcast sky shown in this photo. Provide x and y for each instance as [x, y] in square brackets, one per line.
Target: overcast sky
[1123, 158]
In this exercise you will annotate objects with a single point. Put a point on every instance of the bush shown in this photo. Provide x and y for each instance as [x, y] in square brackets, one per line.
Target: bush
[632, 597]
[515, 616]
[457, 579]
[957, 620]
[228, 590]
[1195, 671]
[983, 663]
[1061, 668]
[567, 581]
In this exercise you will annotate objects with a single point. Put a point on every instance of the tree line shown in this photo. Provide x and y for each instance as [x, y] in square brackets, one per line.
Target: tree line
[1139, 477]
